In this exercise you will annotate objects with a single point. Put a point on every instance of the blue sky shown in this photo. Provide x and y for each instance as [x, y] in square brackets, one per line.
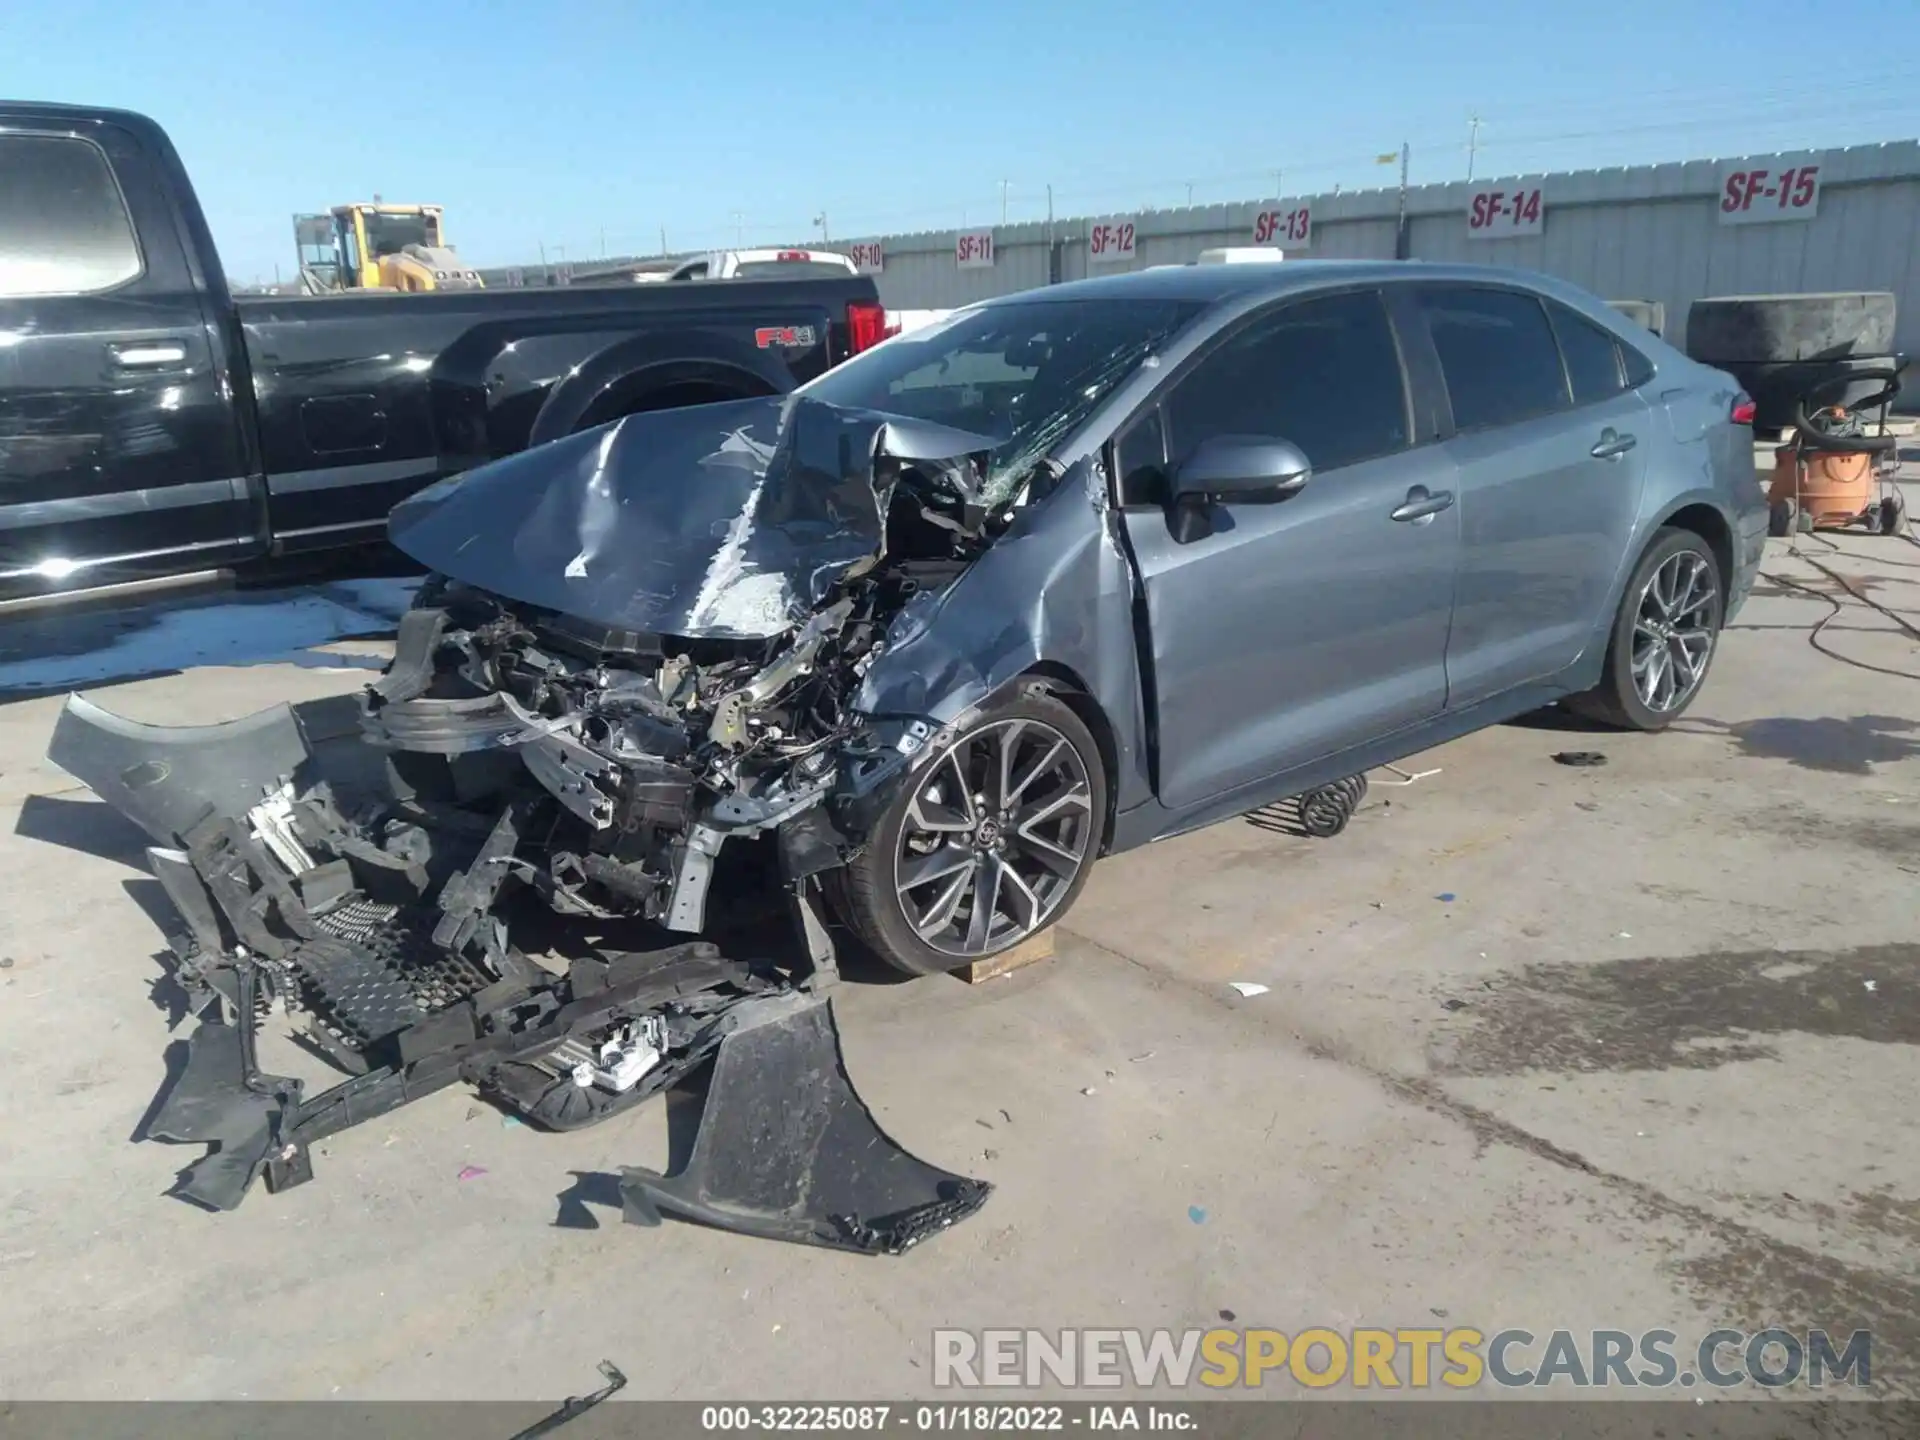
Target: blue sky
[561, 123]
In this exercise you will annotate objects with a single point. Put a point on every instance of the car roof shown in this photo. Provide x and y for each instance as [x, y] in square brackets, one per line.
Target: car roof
[1217, 283]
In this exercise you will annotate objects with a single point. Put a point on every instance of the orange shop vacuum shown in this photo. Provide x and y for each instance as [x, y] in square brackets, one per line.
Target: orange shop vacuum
[1837, 471]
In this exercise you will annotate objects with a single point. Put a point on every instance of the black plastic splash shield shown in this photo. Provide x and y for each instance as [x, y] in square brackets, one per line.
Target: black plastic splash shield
[786, 1150]
[220, 1099]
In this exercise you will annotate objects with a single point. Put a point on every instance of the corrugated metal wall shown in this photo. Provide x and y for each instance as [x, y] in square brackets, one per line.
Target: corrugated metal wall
[1645, 233]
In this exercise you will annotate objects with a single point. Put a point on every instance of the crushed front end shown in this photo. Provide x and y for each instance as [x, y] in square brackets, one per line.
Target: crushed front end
[666, 634]
[577, 731]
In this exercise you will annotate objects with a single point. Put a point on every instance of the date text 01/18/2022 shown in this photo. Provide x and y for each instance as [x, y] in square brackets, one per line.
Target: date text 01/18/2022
[945, 1418]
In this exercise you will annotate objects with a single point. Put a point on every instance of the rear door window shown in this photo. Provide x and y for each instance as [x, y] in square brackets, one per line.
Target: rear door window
[1592, 356]
[1497, 354]
[1324, 374]
[64, 228]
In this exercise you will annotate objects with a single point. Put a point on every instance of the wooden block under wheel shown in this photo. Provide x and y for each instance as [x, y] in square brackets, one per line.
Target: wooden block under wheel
[1029, 951]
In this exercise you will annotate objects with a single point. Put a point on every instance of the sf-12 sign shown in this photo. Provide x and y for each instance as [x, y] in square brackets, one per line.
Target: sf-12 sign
[1289, 224]
[973, 250]
[1753, 195]
[868, 256]
[1110, 242]
[1497, 212]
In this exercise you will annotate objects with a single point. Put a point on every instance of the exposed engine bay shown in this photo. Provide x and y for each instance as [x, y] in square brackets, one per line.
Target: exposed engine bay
[654, 751]
[581, 712]
[706, 696]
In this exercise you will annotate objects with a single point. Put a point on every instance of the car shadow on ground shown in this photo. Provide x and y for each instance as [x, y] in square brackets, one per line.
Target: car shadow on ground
[1558, 717]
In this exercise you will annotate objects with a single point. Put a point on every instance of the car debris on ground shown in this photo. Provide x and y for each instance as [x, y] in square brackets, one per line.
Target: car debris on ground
[516, 764]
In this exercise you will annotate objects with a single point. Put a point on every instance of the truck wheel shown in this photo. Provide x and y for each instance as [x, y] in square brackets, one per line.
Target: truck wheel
[1663, 637]
[989, 843]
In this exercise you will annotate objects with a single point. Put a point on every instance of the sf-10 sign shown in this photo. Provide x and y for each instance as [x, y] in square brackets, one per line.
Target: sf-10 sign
[1110, 242]
[1750, 195]
[868, 255]
[1496, 213]
[1287, 225]
[973, 250]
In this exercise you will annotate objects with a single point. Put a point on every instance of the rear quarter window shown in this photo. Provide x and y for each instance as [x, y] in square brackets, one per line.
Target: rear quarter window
[1638, 368]
[1592, 356]
[64, 228]
[1497, 354]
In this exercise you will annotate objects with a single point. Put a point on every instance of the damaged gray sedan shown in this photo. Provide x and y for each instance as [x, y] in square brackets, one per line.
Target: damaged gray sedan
[1059, 575]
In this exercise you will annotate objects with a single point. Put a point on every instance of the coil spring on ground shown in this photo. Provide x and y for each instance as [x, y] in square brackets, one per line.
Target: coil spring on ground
[1325, 810]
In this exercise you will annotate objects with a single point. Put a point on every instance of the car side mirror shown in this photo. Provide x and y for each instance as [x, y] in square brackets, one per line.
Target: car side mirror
[1231, 469]
[1239, 469]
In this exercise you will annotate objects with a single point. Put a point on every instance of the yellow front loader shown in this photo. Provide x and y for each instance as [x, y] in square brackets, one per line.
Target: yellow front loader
[379, 247]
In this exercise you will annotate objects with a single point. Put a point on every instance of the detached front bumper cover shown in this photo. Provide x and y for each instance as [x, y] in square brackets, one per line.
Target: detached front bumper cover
[376, 918]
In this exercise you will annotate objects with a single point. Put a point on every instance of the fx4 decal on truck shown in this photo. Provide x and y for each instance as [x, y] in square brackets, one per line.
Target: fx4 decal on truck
[797, 336]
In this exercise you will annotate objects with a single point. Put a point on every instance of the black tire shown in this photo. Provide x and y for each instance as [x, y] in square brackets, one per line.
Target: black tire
[1892, 515]
[1779, 347]
[864, 893]
[1780, 519]
[1616, 700]
[1777, 328]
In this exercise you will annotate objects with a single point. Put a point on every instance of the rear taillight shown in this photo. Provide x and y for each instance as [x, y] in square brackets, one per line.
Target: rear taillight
[792, 255]
[1743, 409]
[866, 325]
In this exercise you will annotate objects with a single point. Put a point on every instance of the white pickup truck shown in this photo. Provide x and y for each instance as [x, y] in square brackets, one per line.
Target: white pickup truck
[745, 264]
[785, 263]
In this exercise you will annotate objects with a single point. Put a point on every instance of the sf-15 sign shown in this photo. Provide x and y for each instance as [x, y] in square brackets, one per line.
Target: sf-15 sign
[1495, 212]
[1757, 195]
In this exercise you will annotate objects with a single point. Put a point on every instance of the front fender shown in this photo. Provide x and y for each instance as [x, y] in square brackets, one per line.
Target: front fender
[633, 366]
[1051, 599]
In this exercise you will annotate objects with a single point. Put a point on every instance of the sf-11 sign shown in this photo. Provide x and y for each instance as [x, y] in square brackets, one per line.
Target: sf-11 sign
[973, 250]
[1495, 213]
[868, 256]
[1752, 195]
[1287, 225]
[1110, 242]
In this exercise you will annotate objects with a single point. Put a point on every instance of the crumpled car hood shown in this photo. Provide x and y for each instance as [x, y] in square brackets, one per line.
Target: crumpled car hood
[731, 521]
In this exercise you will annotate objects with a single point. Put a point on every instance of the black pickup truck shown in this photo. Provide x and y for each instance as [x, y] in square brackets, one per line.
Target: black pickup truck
[153, 424]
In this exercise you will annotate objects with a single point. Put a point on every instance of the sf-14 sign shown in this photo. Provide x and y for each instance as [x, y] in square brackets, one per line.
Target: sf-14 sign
[1495, 212]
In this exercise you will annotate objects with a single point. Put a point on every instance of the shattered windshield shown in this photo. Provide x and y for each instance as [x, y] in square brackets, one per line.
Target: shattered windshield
[1023, 373]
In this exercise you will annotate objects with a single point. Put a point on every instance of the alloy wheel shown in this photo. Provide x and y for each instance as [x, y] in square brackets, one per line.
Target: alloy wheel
[1673, 631]
[997, 831]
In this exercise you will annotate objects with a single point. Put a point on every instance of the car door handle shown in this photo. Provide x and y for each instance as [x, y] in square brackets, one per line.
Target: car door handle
[1423, 504]
[148, 354]
[1612, 445]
